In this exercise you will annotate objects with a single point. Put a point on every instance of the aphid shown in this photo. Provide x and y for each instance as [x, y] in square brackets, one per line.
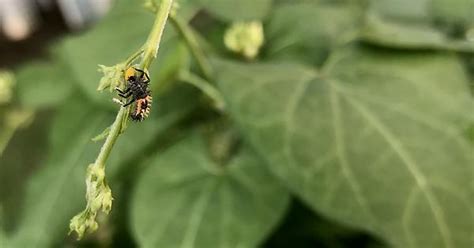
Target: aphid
[137, 87]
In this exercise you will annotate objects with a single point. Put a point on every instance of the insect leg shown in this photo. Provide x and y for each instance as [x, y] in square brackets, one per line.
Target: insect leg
[124, 91]
[130, 102]
[125, 95]
[147, 79]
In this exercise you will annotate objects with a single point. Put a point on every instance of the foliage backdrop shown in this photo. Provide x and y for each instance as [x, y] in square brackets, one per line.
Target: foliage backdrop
[361, 110]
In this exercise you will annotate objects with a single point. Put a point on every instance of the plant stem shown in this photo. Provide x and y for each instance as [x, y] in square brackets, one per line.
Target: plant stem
[153, 42]
[149, 53]
[191, 41]
[5, 137]
[111, 138]
[98, 193]
[207, 88]
[133, 57]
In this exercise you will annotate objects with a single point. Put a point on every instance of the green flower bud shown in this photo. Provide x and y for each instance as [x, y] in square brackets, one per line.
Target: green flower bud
[107, 200]
[245, 38]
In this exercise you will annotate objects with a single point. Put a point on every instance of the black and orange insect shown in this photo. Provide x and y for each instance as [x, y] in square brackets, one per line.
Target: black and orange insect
[137, 88]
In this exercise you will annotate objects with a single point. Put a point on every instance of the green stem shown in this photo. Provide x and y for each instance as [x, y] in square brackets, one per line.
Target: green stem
[133, 57]
[111, 139]
[149, 53]
[153, 42]
[206, 87]
[191, 41]
[5, 138]
[11, 126]
[98, 193]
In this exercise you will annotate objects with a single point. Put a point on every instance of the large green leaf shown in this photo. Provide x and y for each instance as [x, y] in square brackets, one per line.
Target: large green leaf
[308, 31]
[374, 141]
[184, 199]
[237, 10]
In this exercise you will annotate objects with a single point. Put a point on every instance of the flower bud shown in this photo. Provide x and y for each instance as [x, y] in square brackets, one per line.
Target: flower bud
[245, 38]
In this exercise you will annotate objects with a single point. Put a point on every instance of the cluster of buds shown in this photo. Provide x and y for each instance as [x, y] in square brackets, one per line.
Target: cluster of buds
[99, 198]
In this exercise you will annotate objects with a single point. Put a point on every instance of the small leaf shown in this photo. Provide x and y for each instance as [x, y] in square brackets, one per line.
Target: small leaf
[186, 200]
[376, 141]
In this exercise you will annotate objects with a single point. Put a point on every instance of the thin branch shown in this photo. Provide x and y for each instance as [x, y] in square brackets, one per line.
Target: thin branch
[99, 195]
[191, 41]
[207, 88]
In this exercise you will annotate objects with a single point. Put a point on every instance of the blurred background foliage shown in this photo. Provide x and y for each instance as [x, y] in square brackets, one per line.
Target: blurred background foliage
[353, 127]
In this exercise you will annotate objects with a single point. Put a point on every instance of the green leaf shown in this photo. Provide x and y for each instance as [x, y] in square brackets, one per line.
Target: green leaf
[14, 165]
[413, 10]
[184, 199]
[44, 84]
[417, 35]
[374, 142]
[303, 32]
[453, 12]
[118, 36]
[419, 24]
[238, 10]
[3, 239]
